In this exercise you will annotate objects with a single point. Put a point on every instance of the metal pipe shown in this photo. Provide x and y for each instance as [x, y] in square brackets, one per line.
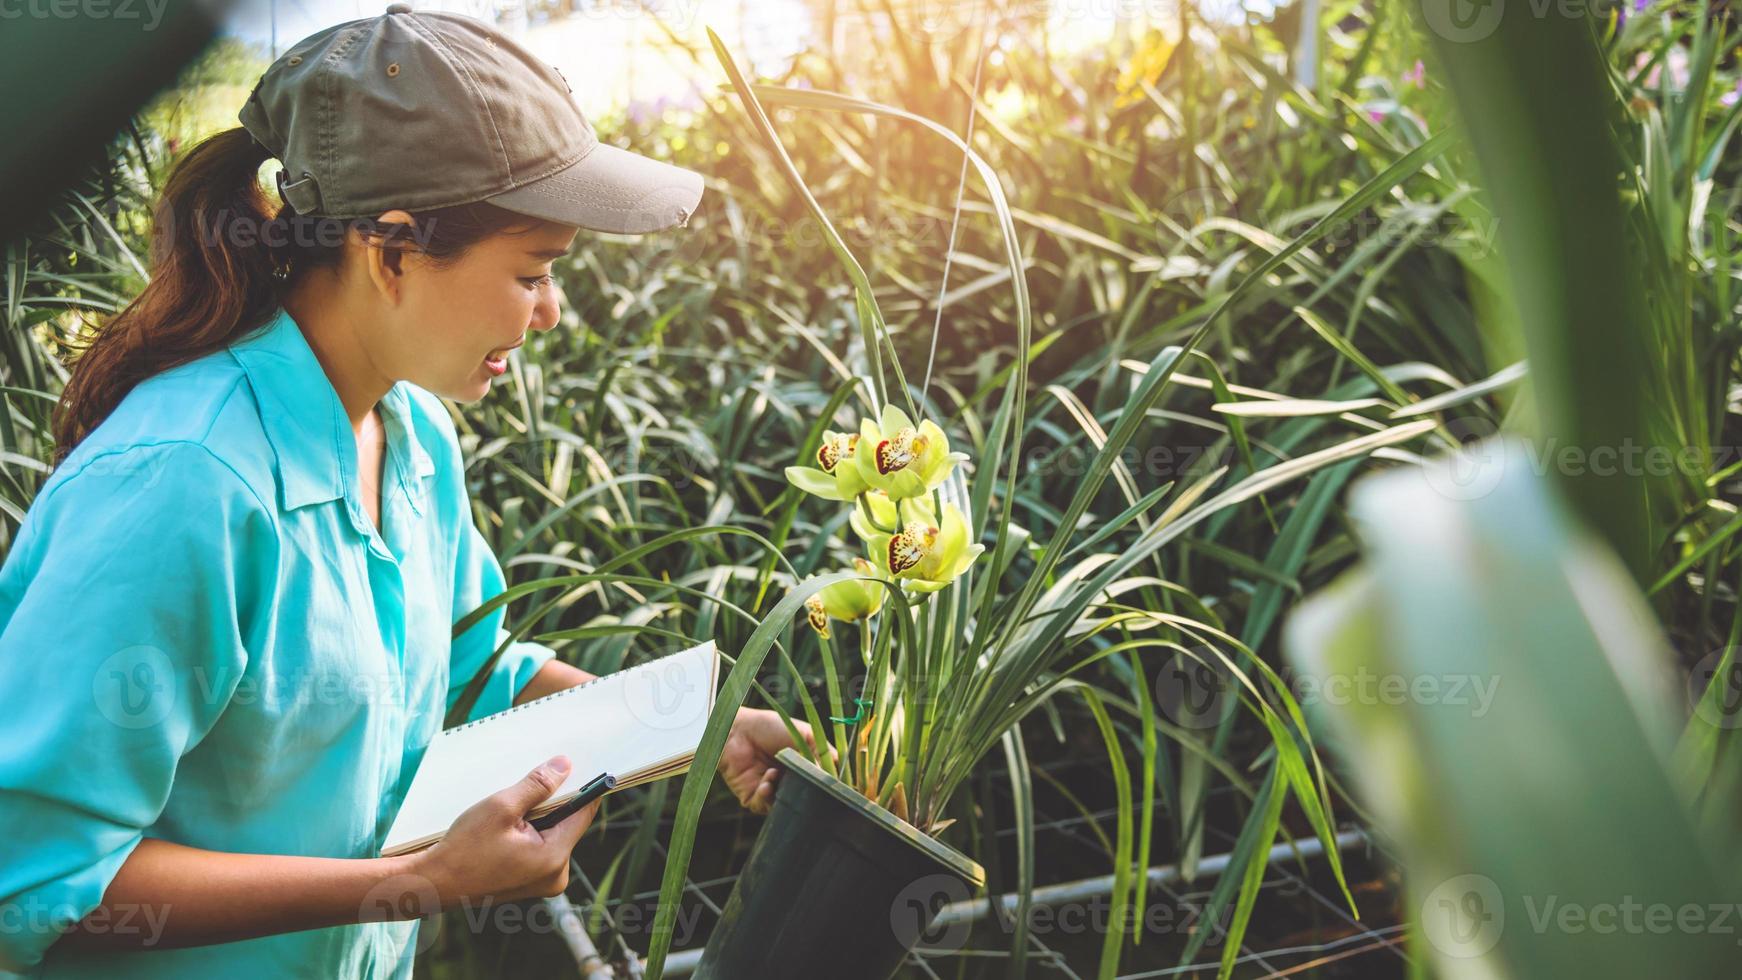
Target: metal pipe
[588, 962]
[683, 962]
[1069, 892]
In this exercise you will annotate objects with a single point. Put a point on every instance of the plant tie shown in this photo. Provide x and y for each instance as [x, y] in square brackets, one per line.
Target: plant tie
[858, 716]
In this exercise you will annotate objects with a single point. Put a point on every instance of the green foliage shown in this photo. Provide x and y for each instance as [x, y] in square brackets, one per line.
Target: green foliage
[1191, 300]
[1497, 570]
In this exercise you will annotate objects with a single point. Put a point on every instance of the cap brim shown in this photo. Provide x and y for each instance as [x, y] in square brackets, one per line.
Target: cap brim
[610, 189]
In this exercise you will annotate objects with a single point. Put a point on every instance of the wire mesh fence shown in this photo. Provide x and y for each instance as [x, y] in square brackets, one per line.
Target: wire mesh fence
[1300, 925]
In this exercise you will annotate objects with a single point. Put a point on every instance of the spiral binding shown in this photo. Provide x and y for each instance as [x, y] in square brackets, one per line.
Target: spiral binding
[557, 694]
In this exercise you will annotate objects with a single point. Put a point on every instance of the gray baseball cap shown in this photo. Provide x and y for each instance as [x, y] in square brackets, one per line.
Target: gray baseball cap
[428, 110]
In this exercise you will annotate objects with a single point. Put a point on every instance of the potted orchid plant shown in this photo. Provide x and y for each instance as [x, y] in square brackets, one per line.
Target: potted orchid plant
[842, 821]
[952, 661]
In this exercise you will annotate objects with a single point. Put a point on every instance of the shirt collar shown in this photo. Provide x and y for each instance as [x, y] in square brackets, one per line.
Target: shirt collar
[306, 425]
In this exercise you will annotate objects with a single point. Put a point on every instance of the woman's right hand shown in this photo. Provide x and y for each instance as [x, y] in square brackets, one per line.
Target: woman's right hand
[491, 849]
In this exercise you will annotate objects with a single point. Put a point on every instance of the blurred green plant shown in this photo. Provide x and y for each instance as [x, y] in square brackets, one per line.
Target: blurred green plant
[1520, 826]
[633, 462]
[1494, 566]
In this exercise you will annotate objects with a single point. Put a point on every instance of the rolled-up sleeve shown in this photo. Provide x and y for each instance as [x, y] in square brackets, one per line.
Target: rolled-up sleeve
[478, 578]
[125, 607]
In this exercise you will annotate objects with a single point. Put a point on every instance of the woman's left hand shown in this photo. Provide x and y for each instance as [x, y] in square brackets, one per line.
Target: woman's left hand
[747, 760]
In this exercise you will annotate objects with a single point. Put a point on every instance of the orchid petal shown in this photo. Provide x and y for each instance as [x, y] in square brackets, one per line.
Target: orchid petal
[814, 481]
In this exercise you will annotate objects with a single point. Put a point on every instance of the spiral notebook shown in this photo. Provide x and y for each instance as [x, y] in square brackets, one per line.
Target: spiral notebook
[639, 724]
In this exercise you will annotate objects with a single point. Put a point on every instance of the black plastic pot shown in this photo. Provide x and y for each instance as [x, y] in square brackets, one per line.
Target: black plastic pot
[836, 887]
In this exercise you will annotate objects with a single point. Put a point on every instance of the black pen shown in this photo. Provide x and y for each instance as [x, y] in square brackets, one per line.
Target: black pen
[601, 784]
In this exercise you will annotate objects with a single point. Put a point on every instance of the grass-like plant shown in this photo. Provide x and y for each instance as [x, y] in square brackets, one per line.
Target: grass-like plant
[1168, 213]
[954, 664]
[1531, 581]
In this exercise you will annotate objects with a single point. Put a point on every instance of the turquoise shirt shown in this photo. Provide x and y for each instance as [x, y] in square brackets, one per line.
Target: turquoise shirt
[204, 639]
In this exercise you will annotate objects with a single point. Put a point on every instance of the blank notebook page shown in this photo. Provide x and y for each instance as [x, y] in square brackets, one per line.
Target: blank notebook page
[639, 724]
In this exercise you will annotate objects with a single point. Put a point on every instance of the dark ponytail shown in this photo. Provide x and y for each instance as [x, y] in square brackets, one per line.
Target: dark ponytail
[203, 292]
[223, 253]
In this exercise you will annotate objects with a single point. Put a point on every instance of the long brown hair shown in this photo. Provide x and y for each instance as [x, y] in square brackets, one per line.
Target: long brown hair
[222, 258]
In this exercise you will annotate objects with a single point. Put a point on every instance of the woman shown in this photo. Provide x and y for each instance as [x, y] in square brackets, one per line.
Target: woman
[260, 519]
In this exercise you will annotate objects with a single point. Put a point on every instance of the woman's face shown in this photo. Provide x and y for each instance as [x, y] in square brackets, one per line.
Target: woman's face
[456, 320]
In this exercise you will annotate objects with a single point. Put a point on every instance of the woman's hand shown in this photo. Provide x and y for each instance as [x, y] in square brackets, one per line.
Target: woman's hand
[492, 850]
[747, 760]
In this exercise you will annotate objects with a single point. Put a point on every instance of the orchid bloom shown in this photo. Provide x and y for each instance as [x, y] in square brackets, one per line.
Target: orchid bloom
[901, 459]
[922, 552]
[836, 476]
[848, 601]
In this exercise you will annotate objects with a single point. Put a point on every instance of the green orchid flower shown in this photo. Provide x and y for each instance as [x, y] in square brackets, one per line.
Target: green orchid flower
[835, 477]
[922, 552]
[848, 601]
[901, 459]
